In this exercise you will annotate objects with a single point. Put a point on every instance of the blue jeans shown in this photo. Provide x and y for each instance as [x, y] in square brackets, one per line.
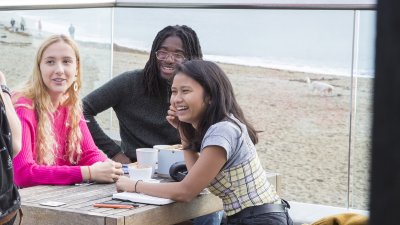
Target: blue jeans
[209, 219]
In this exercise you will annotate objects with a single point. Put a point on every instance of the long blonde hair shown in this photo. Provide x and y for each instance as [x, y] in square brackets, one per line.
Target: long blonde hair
[36, 90]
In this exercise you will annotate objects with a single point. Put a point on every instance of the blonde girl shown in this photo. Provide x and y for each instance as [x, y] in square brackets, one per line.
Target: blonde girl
[57, 147]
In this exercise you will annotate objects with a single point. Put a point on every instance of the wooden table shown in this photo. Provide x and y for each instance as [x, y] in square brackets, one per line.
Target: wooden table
[79, 207]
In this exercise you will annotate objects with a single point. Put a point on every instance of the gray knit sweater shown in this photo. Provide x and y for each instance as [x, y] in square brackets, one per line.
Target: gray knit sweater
[141, 118]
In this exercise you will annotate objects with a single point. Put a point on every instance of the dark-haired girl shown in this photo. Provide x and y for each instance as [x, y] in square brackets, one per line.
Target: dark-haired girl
[219, 149]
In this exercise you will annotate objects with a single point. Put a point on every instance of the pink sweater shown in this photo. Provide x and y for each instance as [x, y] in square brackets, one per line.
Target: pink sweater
[28, 173]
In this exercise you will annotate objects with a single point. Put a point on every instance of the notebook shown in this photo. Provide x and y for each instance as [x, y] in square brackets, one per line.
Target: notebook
[142, 198]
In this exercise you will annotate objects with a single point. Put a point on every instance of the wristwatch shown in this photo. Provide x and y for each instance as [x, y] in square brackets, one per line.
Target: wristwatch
[5, 89]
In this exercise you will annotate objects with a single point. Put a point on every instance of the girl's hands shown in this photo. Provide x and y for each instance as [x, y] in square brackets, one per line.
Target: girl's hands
[174, 121]
[171, 117]
[125, 184]
[106, 172]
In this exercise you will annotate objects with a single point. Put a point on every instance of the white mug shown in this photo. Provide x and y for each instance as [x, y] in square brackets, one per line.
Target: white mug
[147, 157]
[167, 155]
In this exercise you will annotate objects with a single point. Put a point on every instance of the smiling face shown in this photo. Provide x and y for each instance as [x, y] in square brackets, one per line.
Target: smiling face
[188, 98]
[171, 44]
[58, 68]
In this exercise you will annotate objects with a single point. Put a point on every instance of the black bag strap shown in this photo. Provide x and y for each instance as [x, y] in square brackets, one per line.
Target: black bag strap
[10, 198]
[11, 216]
[20, 216]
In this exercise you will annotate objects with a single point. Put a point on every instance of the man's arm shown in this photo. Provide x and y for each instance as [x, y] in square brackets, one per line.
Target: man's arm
[99, 100]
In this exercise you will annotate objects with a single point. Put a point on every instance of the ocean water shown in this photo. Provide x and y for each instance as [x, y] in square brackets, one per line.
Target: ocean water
[318, 41]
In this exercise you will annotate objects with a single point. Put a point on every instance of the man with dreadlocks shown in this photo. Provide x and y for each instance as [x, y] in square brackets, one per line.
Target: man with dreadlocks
[140, 99]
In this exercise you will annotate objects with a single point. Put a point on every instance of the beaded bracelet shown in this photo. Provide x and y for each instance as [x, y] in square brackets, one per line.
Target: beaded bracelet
[90, 174]
[137, 183]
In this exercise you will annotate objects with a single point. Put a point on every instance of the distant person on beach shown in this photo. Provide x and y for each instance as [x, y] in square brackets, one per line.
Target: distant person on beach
[40, 27]
[71, 31]
[22, 24]
[57, 148]
[219, 149]
[12, 22]
[140, 100]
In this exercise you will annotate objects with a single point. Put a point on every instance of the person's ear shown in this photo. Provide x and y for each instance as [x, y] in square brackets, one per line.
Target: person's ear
[208, 100]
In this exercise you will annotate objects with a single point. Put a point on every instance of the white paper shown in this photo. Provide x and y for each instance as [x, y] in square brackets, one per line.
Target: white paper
[142, 198]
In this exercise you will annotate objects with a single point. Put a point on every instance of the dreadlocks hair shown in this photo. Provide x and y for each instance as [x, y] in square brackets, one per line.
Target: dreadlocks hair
[191, 46]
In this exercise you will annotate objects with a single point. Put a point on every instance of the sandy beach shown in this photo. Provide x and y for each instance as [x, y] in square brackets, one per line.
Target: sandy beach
[304, 135]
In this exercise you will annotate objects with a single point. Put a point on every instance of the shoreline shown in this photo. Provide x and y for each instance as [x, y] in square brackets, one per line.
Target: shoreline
[216, 58]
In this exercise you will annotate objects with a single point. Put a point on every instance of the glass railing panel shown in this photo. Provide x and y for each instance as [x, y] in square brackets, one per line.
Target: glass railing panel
[361, 129]
[268, 54]
[92, 31]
